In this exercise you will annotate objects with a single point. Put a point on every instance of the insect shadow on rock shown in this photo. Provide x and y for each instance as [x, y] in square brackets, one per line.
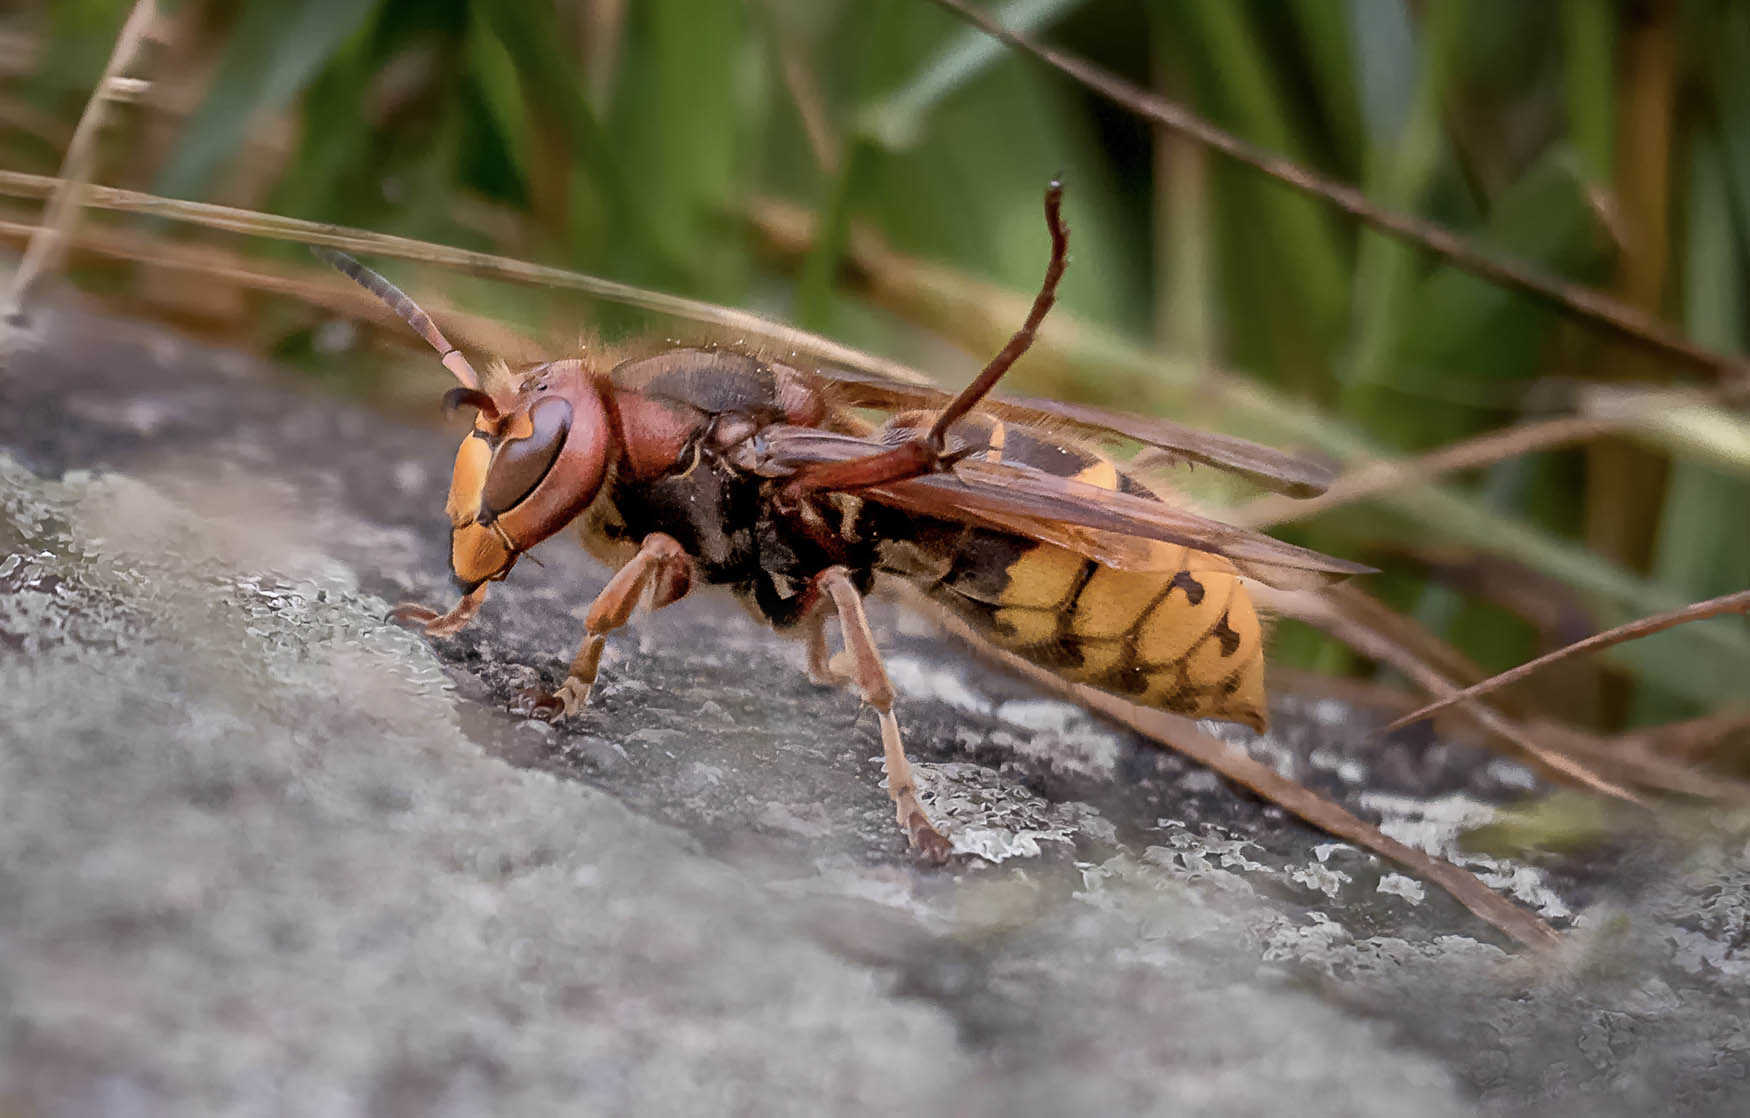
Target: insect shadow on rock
[723, 467]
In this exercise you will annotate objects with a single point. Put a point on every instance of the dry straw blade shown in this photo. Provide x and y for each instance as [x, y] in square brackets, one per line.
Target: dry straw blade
[361, 241]
[61, 211]
[1738, 603]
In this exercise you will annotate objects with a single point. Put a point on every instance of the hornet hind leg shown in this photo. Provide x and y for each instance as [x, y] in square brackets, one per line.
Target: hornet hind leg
[865, 671]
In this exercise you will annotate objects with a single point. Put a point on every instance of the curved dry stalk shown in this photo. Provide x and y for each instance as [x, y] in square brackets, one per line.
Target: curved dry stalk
[1693, 740]
[1646, 626]
[1627, 756]
[43, 252]
[1415, 645]
[1182, 736]
[1327, 614]
[1413, 638]
[277, 227]
[1582, 302]
[317, 288]
[39, 124]
[1385, 475]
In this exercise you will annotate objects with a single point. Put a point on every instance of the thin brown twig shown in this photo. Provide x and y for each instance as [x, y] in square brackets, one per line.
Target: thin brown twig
[319, 288]
[1641, 772]
[39, 125]
[604, 23]
[1583, 302]
[1410, 634]
[1646, 769]
[1183, 736]
[43, 252]
[1329, 614]
[1634, 630]
[1692, 741]
[1385, 475]
[279, 227]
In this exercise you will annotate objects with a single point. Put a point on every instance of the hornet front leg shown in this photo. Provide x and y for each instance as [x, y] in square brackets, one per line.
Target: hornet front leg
[435, 624]
[662, 567]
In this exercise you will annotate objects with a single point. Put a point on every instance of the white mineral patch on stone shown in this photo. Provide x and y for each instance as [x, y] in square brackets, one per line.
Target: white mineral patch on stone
[1701, 954]
[1320, 880]
[1041, 715]
[1064, 735]
[1435, 826]
[915, 679]
[1522, 883]
[1432, 826]
[994, 844]
[1348, 770]
[1398, 885]
[990, 817]
[1511, 773]
[1200, 780]
[1324, 850]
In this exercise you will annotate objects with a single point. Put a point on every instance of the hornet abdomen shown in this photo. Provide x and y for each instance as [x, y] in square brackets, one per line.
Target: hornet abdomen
[1182, 636]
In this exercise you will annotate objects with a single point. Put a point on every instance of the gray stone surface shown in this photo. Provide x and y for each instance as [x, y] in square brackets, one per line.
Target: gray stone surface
[261, 853]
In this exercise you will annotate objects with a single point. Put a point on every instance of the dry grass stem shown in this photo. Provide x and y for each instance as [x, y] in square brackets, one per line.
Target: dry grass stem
[1646, 626]
[1387, 475]
[43, 254]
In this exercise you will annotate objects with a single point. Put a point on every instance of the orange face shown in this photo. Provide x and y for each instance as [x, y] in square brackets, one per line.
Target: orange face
[524, 473]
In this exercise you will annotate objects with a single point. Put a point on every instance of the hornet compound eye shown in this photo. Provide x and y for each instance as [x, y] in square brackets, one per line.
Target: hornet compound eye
[519, 464]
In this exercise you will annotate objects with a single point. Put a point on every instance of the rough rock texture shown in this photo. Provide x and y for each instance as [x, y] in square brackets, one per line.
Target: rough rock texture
[261, 853]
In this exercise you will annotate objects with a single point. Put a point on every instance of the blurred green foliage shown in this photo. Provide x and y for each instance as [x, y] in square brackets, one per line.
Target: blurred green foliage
[632, 138]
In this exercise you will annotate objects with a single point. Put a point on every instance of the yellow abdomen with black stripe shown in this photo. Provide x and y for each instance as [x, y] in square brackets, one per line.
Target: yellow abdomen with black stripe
[1181, 636]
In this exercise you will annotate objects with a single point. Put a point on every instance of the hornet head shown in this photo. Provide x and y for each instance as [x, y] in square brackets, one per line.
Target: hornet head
[534, 460]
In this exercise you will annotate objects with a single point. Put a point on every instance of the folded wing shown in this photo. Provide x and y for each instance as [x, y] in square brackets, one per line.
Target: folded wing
[1111, 527]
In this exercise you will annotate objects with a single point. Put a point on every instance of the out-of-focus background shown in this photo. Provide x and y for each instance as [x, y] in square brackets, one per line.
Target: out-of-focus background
[263, 852]
[873, 170]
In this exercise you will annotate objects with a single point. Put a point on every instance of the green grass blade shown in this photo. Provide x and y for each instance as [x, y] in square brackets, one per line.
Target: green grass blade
[1291, 251]
[1470, 338]
[1589, 84]
[1402, 173]
[896, 120]
[684, 112]
[1704, 533]
[276, 49]
[494, 75]
[1325, 33]
[636, 239]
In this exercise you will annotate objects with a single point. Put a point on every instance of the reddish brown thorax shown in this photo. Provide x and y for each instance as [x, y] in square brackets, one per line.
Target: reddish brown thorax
[653, 432]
